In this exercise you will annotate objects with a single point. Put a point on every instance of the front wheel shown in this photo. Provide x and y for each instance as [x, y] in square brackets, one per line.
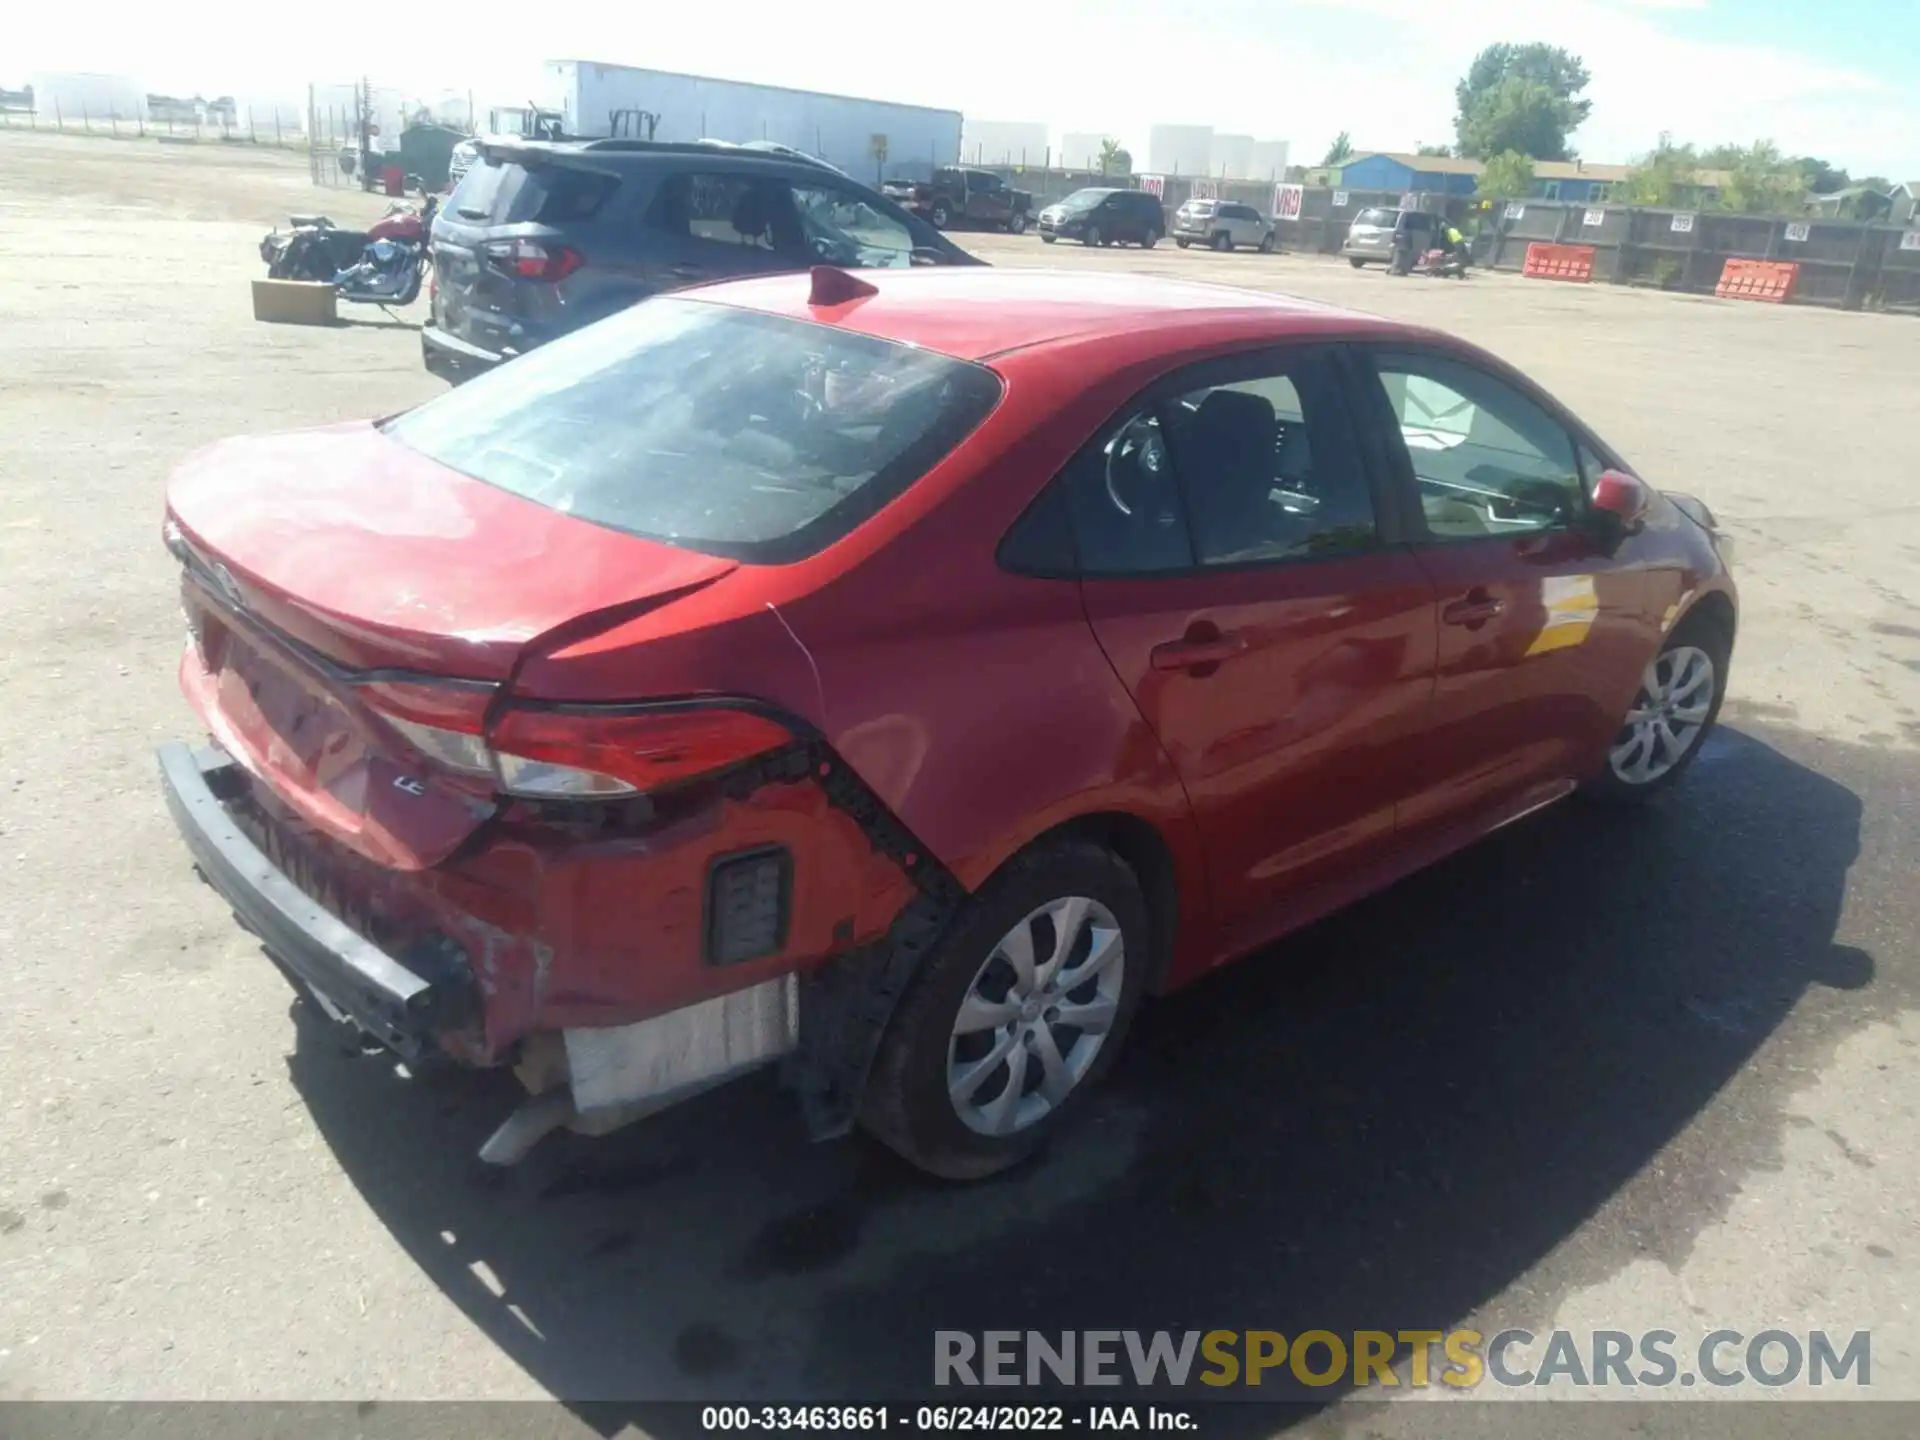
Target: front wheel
[1092, 236]
[940, 215]
[1266, 244]
[1675, 707]
[1183, 243]
[1048, 239]
[1017, 223]
[1016, 1013]
[1356, 262]
[1223, 242]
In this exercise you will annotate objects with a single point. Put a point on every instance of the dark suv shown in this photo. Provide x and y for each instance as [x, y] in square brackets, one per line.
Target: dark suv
[543, 238]
[1105, 217]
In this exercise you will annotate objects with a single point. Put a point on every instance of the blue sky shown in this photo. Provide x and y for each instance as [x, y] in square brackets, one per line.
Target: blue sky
[1835, 78]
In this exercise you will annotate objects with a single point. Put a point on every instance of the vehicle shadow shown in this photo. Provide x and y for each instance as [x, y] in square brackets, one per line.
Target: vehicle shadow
[1380, 1124]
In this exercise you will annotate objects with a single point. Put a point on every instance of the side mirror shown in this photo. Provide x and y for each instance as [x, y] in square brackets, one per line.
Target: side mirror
[1622, 497]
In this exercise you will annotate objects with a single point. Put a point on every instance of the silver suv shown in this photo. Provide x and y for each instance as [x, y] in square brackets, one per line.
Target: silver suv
[1370, 237]
[1223, 224]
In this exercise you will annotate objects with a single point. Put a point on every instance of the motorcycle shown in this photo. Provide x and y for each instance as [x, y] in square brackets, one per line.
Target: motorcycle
[1443, 263]
[383, 265]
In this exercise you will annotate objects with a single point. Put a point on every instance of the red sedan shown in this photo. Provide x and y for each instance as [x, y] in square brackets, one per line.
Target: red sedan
[900, 677]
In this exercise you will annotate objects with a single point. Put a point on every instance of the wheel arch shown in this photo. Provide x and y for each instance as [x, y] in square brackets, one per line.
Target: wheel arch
[1715, 608]
[1139, 843]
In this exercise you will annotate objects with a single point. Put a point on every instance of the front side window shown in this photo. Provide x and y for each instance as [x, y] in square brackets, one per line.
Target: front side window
[1487, 460]
[753, 436]
[842, 228]
[1247, 472]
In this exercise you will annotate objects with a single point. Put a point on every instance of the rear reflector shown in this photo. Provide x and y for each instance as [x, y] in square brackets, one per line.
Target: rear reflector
[747, 906]
[586, 753]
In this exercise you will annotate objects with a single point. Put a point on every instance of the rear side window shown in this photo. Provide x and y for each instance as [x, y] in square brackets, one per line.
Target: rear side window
[506, 193]
[1375, 217]
[752, 436]
[753, 211]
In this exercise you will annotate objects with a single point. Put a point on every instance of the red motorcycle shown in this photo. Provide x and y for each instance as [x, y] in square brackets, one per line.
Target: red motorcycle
[383, 265]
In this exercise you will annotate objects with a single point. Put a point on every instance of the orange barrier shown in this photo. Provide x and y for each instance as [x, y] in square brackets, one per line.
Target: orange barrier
[1560, 262]
[1768, 280]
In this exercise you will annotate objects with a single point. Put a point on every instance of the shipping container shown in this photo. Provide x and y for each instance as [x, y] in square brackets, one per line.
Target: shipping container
[872, 140]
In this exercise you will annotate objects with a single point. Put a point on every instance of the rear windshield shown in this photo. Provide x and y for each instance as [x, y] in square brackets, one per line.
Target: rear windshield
[726, 431]
[1202, 207]
[1384, 218]
[503, 192]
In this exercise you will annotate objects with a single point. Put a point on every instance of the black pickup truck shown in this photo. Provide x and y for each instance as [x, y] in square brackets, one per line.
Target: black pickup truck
[963, 197]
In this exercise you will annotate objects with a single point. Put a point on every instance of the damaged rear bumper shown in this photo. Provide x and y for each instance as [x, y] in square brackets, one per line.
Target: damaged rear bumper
[388, 998]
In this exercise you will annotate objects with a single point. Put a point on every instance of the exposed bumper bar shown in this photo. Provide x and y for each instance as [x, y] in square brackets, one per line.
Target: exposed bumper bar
[384, 997]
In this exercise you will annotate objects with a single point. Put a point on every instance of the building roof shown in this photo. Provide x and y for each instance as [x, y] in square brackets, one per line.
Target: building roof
[1421, 164]
[974, 312]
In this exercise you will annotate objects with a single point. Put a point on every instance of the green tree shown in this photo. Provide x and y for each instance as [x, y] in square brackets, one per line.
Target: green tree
[1507, 176]
[1822, 178]
[1440, 150]
[1521, 97]
[1114, 159]
[1340, 151]
[1662, 176]
[1760, 180]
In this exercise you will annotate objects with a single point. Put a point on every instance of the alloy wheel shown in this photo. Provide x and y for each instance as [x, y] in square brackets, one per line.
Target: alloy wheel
[1668, 715]
[1035, 1016]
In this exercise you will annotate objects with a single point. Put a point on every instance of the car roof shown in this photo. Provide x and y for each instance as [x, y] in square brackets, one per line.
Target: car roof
[655, 154]
[976, 313]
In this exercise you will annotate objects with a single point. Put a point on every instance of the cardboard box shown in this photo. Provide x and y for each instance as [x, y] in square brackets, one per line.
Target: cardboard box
[295, 302]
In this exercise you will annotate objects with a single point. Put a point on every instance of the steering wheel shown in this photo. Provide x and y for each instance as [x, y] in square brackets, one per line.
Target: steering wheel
[1140, 448]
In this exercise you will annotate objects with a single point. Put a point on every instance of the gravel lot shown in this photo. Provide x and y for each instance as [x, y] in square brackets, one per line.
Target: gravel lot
[1656, 1071]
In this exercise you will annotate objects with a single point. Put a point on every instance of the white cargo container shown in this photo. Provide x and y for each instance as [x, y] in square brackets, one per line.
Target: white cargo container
[872, 140]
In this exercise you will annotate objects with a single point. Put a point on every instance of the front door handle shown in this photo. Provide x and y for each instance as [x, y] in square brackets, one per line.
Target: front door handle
[1476, 607]
[1196, 651]
[688, 272]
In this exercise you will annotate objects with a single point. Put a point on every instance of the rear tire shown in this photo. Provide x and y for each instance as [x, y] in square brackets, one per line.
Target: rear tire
[1150, 239]
[1266, 243]
[1183, 243]
[1017, 223]
[1049, 239]
[1356, 262]
[940, 215]
[977, 1068]
[1222, 241]
[1675, 708]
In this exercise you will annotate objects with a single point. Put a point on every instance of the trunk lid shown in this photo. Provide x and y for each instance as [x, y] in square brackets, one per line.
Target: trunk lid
[337, 581]
[377, 557]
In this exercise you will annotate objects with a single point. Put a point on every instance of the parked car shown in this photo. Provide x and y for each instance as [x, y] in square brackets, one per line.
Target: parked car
[1098, 216]
[900, 676]
[1223, 224]
[1370, 236]
[540, 238]
[964, 197]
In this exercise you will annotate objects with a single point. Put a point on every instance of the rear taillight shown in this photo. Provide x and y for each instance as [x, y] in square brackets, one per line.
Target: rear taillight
[534, 260]
[445, 723]
[582, 752]
[571, 753]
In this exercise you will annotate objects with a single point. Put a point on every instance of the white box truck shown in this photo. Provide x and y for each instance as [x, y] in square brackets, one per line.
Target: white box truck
[871, 140]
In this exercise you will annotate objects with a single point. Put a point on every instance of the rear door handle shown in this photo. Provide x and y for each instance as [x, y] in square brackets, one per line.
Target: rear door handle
[1189, 654]
[1476, 607]
[688, 272]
